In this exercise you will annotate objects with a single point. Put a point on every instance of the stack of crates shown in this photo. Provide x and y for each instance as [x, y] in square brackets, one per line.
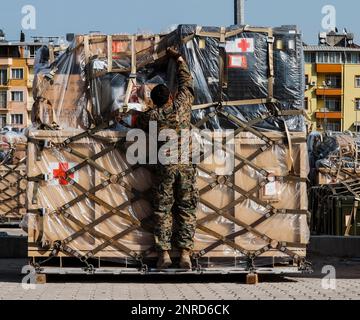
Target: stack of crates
[334, 208]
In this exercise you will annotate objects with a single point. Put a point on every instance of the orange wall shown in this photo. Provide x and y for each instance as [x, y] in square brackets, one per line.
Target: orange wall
[328, 68]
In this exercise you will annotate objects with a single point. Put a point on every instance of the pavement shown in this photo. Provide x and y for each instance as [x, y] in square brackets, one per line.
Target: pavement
[227, 287]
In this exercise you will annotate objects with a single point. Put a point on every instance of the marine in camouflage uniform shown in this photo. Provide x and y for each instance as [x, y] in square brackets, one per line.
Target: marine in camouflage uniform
[175, 196]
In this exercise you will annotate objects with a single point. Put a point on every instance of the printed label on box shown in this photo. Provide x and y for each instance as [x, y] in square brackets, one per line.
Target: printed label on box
[119, 46]
[270, 189]
[58, 173]
[237, 61]
[243, 45]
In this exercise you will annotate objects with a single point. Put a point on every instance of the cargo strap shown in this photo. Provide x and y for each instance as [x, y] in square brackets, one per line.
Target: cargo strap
[152, 54]
[12, 190]
[136, 224]
[133, 195]
[270, 210]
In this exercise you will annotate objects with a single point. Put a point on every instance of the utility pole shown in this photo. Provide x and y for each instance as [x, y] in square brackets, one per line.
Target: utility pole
[239, 10]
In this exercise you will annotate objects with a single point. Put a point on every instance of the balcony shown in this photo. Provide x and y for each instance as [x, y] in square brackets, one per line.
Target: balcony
[328, 68]
[329, 92]
[328, 115]
[6, 61]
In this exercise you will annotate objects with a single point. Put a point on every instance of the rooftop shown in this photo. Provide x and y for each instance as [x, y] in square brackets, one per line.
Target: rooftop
[334, 41]
[19, 44]
[330, 48]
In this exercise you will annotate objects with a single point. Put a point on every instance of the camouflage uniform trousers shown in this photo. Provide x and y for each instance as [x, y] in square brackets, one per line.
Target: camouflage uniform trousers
[174, 203]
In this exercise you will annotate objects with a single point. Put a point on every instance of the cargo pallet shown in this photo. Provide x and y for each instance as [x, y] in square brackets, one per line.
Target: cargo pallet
[10, 222]
[107, 267]
[108, 245]
[258, 209]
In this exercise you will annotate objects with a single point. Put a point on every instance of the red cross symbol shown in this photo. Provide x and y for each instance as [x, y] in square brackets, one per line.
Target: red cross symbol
[244, 45]
[60, 173]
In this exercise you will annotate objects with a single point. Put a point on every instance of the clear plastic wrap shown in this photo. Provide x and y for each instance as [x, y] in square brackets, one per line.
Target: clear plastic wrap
[101, 76]
[235, 68]
[333, 157]
[66, 209]
[59, 90]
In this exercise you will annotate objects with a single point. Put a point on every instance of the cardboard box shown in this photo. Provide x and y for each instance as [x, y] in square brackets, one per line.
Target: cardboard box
[220, 200]
[61, 100]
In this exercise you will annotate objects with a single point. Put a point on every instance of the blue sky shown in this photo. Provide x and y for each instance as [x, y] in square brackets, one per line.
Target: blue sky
[117, 16]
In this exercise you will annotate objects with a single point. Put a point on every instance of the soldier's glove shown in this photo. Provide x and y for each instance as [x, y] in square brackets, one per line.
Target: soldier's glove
[173, 53]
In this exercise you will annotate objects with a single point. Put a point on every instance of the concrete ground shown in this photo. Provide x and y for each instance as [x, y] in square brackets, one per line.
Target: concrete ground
[187, 287]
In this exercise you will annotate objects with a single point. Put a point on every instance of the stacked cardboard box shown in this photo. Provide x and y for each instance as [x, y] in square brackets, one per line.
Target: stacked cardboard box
[86, 201]
[233, 211]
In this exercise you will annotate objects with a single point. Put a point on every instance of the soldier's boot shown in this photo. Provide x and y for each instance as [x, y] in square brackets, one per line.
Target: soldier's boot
[164, 260]
[185, 261]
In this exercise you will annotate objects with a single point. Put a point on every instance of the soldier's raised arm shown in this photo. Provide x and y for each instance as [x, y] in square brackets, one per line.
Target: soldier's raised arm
[184, 77]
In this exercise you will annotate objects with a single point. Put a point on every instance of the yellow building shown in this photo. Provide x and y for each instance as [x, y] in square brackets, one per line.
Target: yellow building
[16, 77]
[332, 79]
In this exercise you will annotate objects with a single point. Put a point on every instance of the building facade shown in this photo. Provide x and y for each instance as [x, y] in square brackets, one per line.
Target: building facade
[332, 79]
[16, 81]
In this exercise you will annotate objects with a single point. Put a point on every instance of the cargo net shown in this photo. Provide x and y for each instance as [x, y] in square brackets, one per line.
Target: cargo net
[334, 157]
[13, 182]
[103, 203]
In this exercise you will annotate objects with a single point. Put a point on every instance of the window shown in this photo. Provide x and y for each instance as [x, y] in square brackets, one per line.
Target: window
[306, 103]
[17, 119]
[335, 57]
[333, 81]
[3, 99]
[353, 57]
[3, 77]
[306, 80]
[322, 57]
[357, 81]
[32, 51]
[310, 57]
[17, 96]
[329, 57]
[17, 73]
[333, 126]
[2, 120]
[333, 104]
[357, 104]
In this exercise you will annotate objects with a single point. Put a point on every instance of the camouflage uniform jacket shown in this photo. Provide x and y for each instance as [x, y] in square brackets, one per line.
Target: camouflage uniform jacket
[176, 114]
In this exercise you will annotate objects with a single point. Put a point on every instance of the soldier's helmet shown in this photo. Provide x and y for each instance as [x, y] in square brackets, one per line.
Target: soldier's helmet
[160, 95]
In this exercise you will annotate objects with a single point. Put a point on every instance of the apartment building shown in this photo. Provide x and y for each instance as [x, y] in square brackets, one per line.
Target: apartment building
[16, 78]
[332, 79]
